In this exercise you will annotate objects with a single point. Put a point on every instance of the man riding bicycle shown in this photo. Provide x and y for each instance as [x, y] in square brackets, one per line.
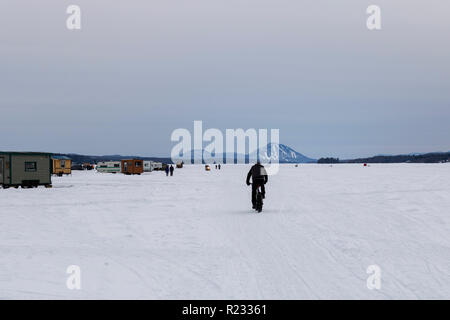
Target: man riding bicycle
[259, 178]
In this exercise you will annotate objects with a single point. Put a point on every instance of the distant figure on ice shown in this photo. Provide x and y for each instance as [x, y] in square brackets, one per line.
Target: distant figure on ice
[171, 170]
[259, 178]
[219, 166]
[167, 170]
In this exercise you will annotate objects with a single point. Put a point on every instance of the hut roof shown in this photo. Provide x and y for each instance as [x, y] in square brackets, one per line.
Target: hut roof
[26, 153]
[60, 157]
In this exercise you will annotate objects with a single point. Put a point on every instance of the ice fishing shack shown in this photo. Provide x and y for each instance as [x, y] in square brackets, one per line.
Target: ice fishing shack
[61, 165]
[150, 166]
[25, 169]
[132, 166]
[108, 166]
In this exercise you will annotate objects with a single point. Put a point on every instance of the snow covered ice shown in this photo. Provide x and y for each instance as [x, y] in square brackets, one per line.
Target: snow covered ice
[194, 235]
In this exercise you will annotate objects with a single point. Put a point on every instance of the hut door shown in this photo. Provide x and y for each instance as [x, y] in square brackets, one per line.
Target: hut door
[1, 170]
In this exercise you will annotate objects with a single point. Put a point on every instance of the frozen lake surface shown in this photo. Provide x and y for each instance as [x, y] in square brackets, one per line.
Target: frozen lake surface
[194, 236]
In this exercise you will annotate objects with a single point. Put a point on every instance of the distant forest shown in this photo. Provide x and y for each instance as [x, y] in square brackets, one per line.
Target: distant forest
[328, 160]
[435, 157]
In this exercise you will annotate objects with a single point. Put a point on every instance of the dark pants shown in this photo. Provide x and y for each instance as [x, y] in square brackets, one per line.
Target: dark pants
[255, 186]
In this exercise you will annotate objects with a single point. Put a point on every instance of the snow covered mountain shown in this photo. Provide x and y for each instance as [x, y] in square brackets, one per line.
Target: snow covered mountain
[281, 153]
[285, 154]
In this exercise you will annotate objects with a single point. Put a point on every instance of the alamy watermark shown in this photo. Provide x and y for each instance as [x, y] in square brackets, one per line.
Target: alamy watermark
[374, 20]
[73, 22]
[374, 279]
[73, 281]
[241, 146]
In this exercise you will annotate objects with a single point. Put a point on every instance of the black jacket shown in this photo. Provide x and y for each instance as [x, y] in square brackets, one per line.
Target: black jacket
[257, 173]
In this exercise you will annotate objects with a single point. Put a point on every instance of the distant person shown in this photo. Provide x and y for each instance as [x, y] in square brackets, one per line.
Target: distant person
[167, 170]
[171, 170]
[219, 166]
[259, 178]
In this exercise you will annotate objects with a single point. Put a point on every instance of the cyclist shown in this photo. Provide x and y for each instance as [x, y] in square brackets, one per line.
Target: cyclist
[259, 178]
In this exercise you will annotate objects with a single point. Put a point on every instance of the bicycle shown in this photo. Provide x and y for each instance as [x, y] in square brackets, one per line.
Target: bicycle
[259, 199]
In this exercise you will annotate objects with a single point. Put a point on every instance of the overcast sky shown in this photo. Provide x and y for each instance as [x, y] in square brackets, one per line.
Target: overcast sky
[137, 70]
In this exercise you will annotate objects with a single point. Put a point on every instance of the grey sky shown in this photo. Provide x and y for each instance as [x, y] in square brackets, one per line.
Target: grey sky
[140, 69]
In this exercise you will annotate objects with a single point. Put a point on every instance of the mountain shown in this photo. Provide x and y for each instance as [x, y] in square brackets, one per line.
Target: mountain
[282, 154]
[286, 154]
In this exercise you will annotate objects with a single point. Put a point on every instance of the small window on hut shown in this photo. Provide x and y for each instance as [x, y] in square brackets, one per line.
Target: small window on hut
[116, 165]
[137, 164]
[63, 163]
[30, 166]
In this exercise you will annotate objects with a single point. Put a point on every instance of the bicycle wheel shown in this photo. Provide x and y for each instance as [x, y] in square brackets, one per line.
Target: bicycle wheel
[259, 201]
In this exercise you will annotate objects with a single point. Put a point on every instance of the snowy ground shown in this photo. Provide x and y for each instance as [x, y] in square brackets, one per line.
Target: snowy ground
[193, 236]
